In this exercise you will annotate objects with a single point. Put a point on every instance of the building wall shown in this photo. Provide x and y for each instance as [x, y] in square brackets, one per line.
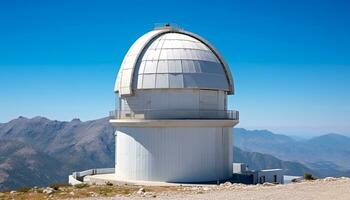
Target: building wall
[174, 154]
[269, 176]
[190, 99]
[239, 168]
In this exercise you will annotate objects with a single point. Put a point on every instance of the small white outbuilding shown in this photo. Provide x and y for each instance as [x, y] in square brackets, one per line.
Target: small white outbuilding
[270, 176]
[172, 118]
[242, 174]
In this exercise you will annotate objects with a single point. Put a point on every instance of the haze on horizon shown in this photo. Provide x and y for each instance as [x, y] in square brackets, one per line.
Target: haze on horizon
[290, 60]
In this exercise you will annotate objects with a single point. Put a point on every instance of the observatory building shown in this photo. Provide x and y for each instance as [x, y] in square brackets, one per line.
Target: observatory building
[172, 120]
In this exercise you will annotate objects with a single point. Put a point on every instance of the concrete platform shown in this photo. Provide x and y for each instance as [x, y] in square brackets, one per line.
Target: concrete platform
[102, 179]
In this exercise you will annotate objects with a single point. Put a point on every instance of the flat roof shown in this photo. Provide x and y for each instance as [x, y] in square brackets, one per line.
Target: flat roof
[270, 170]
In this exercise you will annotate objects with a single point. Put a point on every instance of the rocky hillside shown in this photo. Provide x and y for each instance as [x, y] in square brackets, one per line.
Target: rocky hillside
[40, 151]
[21, 164]
[78, 143]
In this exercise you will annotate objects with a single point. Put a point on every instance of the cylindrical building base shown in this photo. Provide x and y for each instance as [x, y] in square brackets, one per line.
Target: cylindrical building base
[170, 154]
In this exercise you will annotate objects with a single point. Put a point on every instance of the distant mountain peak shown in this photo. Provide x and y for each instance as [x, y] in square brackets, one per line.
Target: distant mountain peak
[76, 120]
[39, 118]
[334, 135]
[330, 139]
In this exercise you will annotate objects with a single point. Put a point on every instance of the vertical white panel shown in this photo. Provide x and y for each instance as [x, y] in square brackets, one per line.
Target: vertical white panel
[221, 100]
[186, 100]
[162, 67]
[163, 54]
[176, 54]
[175, 66]
[150, 67]
[162, 81]
[229, 133]
[159, 100]
[139, 81]
[176, 81]
[208, 100]
[142, 67]
[149, 81]
[173, 154]
[180, 99]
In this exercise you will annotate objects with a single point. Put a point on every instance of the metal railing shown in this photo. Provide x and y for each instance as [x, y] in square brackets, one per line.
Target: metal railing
[80, 175]
[175, 114]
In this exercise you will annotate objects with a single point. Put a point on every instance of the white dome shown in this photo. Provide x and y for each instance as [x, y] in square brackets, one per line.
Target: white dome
[172, 58]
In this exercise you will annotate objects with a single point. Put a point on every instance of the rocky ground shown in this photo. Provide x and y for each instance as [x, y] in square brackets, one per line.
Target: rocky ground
[328, 188]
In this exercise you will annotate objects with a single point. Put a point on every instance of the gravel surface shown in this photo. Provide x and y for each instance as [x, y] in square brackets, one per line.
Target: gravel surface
[322, 189]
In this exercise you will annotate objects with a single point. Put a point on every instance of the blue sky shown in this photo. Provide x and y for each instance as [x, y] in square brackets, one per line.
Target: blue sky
[290, 59]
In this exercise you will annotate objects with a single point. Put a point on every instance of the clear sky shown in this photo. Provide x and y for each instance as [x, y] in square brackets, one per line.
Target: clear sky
[290, 59]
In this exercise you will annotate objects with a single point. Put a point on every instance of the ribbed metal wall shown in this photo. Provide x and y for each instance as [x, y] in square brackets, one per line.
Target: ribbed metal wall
[193, 99]
[174, 154]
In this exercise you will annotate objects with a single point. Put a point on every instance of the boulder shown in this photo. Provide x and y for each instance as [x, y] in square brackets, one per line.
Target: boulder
[206, 188]
[330, 179]
[48, 190]
[268, 184]
[141, 191]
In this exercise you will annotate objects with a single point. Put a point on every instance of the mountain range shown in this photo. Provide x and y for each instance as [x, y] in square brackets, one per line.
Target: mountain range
[39, 151]
[327, 154]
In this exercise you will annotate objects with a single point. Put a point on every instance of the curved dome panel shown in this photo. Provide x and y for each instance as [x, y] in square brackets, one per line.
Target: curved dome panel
[168, 58]
[124, 78]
